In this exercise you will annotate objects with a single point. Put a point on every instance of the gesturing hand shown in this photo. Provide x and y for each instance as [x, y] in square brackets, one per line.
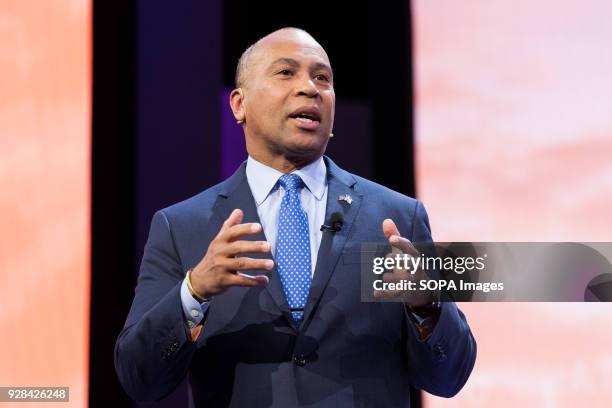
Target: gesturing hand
[220, 268]
[402, 245]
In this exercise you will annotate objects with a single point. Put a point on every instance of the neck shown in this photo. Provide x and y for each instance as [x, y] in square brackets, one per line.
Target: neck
[283, 163]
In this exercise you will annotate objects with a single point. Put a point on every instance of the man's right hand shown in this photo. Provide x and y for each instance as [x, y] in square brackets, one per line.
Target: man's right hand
[220, 268]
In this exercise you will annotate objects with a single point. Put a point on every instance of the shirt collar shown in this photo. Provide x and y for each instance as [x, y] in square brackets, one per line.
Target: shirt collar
[262, 179]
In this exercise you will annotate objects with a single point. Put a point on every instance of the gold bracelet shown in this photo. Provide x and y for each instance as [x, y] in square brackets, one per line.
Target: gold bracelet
[195, 294]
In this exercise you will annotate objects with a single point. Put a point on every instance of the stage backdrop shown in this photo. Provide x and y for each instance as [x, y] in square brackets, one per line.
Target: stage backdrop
[514, 139]
[45, 58]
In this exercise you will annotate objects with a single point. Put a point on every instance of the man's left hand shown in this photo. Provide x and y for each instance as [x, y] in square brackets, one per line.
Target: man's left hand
[413, 298]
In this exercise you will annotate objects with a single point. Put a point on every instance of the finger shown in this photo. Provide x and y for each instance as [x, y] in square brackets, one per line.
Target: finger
[389, 228]
[396, 276]
[244, 264]
[394, 251]
[234, 218]
[236, 231]
[389, 277]
[395, 238]
[403, 244]
[241, 279]
[245, 247]
[387, 294]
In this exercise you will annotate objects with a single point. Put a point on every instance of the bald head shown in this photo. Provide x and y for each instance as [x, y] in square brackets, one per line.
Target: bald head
[252, 53]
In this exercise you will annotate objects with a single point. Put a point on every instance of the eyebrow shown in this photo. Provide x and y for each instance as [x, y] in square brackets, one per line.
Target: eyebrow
[293, 63]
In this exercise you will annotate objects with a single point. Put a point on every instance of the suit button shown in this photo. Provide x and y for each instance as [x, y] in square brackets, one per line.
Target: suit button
[440, 351]
[299, 360]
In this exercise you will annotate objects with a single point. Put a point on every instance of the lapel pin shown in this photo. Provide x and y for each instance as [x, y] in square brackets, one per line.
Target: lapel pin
[345, 197]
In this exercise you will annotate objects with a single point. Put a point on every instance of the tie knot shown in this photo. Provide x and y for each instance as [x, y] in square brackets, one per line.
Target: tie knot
[291, 182]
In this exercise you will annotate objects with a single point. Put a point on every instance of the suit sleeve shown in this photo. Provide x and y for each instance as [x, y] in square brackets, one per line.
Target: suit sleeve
[441, 364]
[152, 352]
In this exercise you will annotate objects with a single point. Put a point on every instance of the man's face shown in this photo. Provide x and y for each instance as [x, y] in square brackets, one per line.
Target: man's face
[289, 97]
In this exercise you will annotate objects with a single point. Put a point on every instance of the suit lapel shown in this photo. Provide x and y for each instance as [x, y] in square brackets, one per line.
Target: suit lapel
[236, 193]
[339, 183]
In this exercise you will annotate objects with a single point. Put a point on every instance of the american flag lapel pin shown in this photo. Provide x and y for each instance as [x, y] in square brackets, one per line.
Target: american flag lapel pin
[346, 198]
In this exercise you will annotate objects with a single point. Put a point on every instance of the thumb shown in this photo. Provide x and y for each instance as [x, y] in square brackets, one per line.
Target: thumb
[389, 228]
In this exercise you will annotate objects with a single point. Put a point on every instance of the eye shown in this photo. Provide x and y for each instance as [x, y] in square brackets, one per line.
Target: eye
[285, 72]
[322, 77]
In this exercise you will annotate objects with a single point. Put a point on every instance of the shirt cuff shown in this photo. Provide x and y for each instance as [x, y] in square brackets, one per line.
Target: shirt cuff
[194, 311]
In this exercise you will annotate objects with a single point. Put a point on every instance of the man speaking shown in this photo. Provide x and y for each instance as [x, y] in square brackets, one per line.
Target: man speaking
[252, 287]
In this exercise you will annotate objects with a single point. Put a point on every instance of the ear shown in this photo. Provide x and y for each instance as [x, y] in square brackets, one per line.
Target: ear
[236, 101]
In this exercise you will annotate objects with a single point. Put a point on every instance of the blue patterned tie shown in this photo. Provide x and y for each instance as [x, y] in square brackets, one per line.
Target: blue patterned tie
[293, 246]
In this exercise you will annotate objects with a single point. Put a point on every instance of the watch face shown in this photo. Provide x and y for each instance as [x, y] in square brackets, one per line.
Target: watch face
[429, 310]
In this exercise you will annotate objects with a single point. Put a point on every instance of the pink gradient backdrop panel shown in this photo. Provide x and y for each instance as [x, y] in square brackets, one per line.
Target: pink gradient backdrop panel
[45, 99]
[514, 142]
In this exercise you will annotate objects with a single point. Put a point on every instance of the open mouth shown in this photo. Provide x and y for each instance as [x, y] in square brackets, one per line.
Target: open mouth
[306, 118]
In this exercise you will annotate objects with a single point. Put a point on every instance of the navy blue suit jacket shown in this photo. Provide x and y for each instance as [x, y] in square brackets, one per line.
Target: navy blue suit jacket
[347, 353]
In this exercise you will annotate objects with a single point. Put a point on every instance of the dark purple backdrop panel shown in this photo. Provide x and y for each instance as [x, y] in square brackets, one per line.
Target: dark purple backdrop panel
[179, 75]
[233, 148]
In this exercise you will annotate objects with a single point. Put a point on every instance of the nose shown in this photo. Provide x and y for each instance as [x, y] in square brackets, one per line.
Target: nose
[307, 87]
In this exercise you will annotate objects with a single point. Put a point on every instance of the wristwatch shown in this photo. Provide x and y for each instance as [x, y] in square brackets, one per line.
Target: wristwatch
[425, 317]
[430, 309]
